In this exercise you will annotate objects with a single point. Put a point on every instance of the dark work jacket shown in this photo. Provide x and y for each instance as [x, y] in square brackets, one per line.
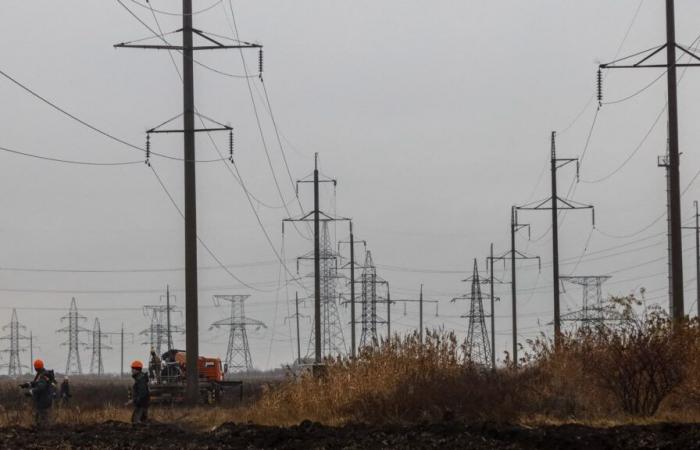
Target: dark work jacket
[65, 390]
[140, 393]
[41, 390]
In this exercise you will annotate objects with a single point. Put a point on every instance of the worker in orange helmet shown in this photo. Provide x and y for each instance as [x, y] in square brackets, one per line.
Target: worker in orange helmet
[41, 389]
[140, 395]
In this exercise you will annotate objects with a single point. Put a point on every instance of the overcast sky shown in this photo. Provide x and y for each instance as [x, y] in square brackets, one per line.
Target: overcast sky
[434, 117]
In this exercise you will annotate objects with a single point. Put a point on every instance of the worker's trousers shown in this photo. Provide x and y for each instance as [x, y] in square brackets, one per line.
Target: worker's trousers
[140, 414]
[41, 418]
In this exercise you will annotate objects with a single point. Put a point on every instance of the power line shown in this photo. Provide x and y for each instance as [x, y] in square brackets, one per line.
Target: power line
[224, 161]
[199, 239]
[69, 161]
[130, 270]
[88, 125]
[260, 129]
[249, 196]
[178, 14]
[160, 36]
[619, 49]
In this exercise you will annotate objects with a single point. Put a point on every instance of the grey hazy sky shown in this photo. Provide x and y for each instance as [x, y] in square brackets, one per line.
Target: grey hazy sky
[434, 117]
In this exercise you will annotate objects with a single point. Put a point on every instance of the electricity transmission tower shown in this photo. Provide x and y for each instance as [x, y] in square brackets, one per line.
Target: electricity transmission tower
[492, 282]
[96, 345]
[369, 318]
[332, 339]
[478, 347]
[513, 255]
[73, 329]
[160, 330]
[553, 204]
[238, 351]
[673, 162]
[296, 316]
[14, 366]
[353, 299]
[593, 313]
[187, 48]
[327, 333]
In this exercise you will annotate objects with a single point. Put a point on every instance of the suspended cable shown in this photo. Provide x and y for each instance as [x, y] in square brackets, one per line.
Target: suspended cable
[211, 139]
[200, 240]
[160, 36]
[88, 125]
[178, 14]
[69, 161]
[619, 49]
[631, 155]
[262, 134]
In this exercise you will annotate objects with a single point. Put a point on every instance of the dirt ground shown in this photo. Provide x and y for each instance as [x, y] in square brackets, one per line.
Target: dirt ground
[118, 435]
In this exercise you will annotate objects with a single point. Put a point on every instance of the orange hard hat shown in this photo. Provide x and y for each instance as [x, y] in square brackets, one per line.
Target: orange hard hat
[38, 364]
[137, 364]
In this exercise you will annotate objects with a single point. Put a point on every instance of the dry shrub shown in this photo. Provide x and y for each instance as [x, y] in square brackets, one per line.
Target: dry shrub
[638, 365]
[557, 383]
[398, 381]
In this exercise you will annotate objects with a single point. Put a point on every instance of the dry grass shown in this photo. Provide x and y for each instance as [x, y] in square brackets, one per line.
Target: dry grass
[645, 373]
[400, 381]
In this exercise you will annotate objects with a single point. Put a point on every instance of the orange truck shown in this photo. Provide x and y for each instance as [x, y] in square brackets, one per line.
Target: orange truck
[169, 383]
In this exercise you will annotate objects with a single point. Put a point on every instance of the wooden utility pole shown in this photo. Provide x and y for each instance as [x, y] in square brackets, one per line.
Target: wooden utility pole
[554, 206]
[674, 163]
[191, 300]
[420, 321]
[317, 266]
[421, 301]
[121, 365]
[671, 65]
[189, 161]
[696, 228]
[513, 255]
[296, 315]
[353, 341]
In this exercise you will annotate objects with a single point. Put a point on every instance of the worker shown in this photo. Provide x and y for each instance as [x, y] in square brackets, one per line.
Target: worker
[140, 396]
[65, 391]
[41, 390]
[154, 366]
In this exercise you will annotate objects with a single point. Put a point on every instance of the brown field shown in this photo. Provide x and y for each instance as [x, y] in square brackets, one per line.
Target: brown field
[635, 387]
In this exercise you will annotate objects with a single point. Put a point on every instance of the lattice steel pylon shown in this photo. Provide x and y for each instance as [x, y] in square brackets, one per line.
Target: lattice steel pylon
[73, 329]
[238, 358]
[593, 312]
[96, 345]
[158, 333]
[332, 340]
[14, 366]
[478, 348]
[368, 299]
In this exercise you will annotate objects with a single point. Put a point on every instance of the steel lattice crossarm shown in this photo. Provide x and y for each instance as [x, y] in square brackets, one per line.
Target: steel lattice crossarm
[238, 357]
[73, 329]
[593, 310]
[646, 56]
[212, 39]
[14, 365]
[478, 348]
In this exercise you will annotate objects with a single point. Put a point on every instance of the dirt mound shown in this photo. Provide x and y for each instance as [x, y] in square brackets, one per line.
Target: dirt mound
[118, 435]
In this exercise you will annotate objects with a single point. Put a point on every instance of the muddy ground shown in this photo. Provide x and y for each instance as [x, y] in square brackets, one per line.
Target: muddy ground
[117, 435]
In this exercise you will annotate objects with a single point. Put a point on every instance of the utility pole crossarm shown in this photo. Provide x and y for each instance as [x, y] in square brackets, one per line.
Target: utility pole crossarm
[648, 55]
[187, 49]
[673, 161]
